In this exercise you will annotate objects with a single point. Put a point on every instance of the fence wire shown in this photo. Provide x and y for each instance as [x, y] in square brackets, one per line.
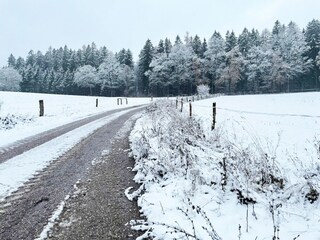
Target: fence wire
[261, 113]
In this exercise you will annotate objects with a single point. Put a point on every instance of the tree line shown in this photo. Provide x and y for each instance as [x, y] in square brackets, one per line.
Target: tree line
[283, 59]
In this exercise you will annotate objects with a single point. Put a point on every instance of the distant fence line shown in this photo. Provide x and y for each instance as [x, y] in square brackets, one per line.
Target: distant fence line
[41, 104]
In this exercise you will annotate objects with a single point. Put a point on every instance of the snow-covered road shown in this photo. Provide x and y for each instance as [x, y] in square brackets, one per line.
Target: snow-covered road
[34, 183]
[17, 170]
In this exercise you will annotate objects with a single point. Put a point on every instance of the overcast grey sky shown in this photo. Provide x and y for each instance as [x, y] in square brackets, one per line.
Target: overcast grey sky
[117, 24]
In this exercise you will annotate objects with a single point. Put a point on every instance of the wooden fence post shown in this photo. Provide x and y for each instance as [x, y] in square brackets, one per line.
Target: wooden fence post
[117, 101]
[120, 101]
[41, 106]
[127, 101]
[177, 103]
[97, 102]
[181, 104]
[190, 108]
[213, 116]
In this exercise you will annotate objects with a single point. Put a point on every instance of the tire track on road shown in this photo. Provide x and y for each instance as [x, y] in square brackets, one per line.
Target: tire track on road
[24, 214]
[26, 144]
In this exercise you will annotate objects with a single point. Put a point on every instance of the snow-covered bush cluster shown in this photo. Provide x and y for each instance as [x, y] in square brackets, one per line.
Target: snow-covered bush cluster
[203, 89]
[198, 185]
[10, 121]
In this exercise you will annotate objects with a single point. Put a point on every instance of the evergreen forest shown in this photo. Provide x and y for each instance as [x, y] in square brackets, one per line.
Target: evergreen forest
[283, 59]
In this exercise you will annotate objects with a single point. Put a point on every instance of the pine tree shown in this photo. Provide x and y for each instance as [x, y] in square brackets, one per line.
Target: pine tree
[31, 58]
[121, 56]
[145, 58]
[312, 35]
[167, 46]
[103, 52]
[160, 48]
[20, 64]
[254, 38]
[278, 34]
[294, 54]
[11, 61]
[27, 84]
[244, 42]
[215, 59]
[129, 59]
[48, 59]
[178, 40]
[197, 45]
[231, 41]
[232, 74]
[66, 58]
[204, 48]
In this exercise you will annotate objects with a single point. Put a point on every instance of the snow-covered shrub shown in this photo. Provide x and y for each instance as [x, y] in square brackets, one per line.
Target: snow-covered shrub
[308, 186]
[187, 176]
[10, 121]
[248, 171]
[203, 90]
[171, 150]
[179, 140]
[10, 79]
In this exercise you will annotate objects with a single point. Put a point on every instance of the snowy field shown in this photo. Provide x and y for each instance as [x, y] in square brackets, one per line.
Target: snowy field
[58, 110]
[256, 176]
[21, 114]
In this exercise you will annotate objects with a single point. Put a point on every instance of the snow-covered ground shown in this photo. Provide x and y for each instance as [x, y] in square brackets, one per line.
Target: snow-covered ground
[264, 147]
[196, 183]
[59, 110]
[23, 108]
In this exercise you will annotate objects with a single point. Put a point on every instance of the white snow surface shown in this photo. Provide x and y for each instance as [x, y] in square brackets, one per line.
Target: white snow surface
[281, 129]
[59, 110]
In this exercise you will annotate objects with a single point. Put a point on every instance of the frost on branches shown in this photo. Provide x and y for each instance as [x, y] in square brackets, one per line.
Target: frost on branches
[204, 185]
[203, 90]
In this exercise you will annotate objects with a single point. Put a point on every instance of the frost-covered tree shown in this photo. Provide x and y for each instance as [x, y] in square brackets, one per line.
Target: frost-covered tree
[86, 76]
[126, 78]
[215, 58]
[231, 75]
[145, 58]
[204, 48]
[160, 47]
[312, 35]
[184, 68]
[294, 53]
[175, 73]
[167, 46]
[123, 56]
[160, 75]
[318, 60]
[108, 74]
[231, 41]
[12, 61]
[203, 89]
[9, 79]
[278, 35]
[197, 45]
[244, 42]
[258, 71]
[178, 40]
